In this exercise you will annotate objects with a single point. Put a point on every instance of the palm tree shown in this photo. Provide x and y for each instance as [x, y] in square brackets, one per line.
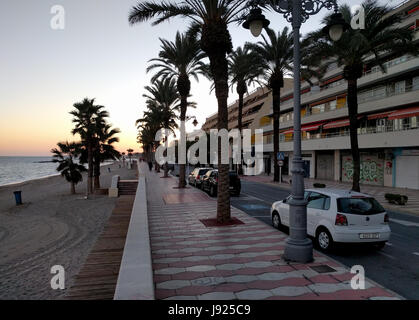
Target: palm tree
[210, 18]
[179, 60]
[276, 52]
[86, 116]
[162, 99]
[104, 149]
[245, 67]
[65, 155]
[381, 38]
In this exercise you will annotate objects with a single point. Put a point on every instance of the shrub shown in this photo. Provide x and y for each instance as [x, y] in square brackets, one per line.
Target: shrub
[396, 198]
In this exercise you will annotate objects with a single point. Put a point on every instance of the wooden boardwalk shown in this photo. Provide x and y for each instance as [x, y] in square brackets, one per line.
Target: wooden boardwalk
[98, 277]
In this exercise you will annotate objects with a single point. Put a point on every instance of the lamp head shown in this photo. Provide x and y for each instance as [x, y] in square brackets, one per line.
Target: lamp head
[256, 21]
[336, 26]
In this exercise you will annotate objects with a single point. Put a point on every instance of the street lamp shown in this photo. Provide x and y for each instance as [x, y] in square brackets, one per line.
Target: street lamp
[298, 247]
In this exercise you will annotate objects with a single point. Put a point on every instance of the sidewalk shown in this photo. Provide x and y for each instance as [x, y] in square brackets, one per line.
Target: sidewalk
[377, 192]
[191, 261]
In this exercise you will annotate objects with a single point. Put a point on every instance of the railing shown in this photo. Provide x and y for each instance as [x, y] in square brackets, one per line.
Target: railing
[361, 131]
[386, 94]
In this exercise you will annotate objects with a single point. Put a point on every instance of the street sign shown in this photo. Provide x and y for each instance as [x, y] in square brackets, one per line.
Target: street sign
[281, 156]
[280, 163]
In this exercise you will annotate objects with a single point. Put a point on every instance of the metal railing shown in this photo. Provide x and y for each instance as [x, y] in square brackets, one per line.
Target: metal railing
[361, 131]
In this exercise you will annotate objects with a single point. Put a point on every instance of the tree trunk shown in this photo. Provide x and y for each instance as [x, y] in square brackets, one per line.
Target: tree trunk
[90, 168]
[276, 94]
[219, 68]
[97, 173]
[240, 124]
[73, 188]
[353, 121]
[182, 166]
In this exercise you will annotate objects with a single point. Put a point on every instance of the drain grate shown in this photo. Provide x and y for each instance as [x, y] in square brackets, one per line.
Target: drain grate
[323, 269]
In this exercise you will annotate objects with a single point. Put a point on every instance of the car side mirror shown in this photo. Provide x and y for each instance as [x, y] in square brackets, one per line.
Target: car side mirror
[284, 201]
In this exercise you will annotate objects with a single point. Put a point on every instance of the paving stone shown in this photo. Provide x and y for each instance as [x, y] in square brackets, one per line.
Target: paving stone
[329, 287]
[241, 278]
[290, 291]
[173, 284]
[201, 268]
[259, 264]
[222, 256]
[169, 270]
[166, 260]
[208, 281]
[278, 276]
[254, 294]
[182, 298]
[217, 296]
[229, 266]
[195, 258]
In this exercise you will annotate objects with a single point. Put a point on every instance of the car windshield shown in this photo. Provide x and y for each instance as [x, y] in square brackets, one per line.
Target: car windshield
[363, 206]
[203, 171]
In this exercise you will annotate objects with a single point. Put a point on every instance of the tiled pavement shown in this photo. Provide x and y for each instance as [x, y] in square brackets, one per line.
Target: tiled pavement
[378, 192]
[244, 261]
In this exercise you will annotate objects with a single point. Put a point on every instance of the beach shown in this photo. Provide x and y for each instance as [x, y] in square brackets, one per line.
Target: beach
[52, 227]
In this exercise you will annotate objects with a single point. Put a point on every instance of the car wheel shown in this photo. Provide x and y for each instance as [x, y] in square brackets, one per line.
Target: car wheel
[212, 191]
[276, 220]
[324, 240]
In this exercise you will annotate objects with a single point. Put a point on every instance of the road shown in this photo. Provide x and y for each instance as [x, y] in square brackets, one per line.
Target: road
[396, 266]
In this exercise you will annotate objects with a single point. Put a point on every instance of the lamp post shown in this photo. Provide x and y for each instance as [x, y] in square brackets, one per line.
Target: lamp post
[298, 247]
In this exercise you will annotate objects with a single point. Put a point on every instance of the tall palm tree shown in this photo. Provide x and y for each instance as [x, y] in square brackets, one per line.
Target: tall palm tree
[86, 116]
[180, 60]
[380, 39]
[162, 98]
[276, 52]
[245, 67]
[66, 154]
[210, 18]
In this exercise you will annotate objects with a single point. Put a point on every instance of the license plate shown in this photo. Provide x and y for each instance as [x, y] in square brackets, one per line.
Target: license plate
[369, 236]
[231, 188]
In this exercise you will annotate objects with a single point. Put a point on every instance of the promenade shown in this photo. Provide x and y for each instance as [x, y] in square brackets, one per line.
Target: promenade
[243, 261]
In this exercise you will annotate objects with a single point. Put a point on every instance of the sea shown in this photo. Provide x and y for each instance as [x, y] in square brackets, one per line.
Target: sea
[21, 169]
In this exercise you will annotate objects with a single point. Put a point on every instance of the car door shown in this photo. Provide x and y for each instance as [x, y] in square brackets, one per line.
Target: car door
[284, 209]
[317, 206]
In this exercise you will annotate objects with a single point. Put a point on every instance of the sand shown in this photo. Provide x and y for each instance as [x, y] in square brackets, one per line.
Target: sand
[51, 228]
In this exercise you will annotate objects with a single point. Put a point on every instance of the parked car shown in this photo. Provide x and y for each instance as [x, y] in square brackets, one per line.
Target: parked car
[339, 216]
[195, 177]
[210, 183]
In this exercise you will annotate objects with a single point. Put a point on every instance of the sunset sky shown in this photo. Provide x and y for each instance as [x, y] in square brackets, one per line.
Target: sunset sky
[98, 55]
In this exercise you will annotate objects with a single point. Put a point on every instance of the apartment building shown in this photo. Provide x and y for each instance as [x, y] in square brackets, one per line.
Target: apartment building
[388, 134]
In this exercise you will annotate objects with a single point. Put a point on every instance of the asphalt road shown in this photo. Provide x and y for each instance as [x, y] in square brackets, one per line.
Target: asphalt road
[396, 266]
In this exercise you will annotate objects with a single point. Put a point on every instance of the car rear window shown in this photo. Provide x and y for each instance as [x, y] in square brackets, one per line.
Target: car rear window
[203, 171]
[362, 206]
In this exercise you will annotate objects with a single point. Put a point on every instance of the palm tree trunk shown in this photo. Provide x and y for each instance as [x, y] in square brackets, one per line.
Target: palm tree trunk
[90, 168]
[73, 188]
[276, 94]
[353, 121]
[219, 69]
[97, 172]
[240, 126]
[182, 166]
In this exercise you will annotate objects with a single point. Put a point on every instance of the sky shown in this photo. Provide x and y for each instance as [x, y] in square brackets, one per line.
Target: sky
[43, 71]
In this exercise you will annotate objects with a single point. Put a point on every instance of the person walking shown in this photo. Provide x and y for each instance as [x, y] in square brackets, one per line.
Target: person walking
[150, 165]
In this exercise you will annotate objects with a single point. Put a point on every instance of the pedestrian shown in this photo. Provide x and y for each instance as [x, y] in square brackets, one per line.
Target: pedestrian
[150, 165]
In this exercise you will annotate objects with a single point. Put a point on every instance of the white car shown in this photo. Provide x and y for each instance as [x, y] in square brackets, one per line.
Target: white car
[335, 215]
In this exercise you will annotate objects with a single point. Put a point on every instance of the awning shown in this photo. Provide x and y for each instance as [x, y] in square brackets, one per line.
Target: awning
[288, 131]
[337, 124]
[404, 113]
[311, 127]
[380, 115]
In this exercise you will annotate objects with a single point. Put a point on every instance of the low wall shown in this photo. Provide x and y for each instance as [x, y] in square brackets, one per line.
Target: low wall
[135, 279]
